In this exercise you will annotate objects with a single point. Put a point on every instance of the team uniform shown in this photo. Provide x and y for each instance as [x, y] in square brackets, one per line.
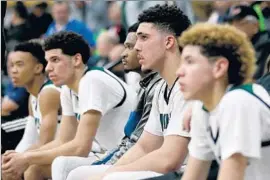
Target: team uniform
[133, 130]
[166, 118]
[239, 124]
[99, 90]
[32, 128]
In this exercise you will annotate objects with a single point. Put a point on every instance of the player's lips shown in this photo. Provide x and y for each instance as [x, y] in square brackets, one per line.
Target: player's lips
[14, 79]
[52, 77]
[182, 86]
[124, 62]
[140, 58]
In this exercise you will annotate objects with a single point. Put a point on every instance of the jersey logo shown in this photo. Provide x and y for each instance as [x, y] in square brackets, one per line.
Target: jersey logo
[164, 120]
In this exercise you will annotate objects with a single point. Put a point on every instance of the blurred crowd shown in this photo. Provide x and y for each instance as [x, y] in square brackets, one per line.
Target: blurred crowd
[103, 24]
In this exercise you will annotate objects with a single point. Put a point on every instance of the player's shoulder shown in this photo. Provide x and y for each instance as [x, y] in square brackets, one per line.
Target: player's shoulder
[246, 94]
[49, 85]
[95, 74]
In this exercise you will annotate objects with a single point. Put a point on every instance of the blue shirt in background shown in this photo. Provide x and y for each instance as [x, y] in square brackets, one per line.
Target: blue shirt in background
[77, 27]
[20, 97]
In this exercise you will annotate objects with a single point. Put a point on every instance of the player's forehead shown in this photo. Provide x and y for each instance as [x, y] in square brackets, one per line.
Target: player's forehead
[52, 53]
[131, 38]
[191, 51]
[146, 29]
[19, 56]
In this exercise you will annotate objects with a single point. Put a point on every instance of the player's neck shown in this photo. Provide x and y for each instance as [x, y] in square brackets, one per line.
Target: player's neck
[74, 84]
[169, 68]
[214, 95]
[34, 86]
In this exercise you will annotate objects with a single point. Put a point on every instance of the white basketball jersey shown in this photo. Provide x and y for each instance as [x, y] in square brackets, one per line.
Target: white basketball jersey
[102, 91]
[239, 124]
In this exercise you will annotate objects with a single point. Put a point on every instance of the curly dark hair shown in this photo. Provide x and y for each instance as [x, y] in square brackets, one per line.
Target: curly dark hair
[70, 43]
[34, 48]
[167, 18]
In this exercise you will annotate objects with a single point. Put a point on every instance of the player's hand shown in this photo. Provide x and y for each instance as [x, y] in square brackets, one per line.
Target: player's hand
[9, 152]
[187, 119]
[5, 156]
[17, 164]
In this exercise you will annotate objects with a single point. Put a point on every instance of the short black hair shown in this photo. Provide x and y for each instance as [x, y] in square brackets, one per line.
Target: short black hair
[165, 17]
[42, 5]
[34, 48]
[133, 27]
[70, 43]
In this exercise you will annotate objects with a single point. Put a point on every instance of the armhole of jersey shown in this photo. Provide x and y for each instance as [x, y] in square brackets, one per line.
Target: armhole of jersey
[125, 93]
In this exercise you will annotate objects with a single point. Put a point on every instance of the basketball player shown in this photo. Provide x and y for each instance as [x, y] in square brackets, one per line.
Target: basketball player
[95, 106]
[135, 124]
[231, 125]
[27, 69]
[163, 145]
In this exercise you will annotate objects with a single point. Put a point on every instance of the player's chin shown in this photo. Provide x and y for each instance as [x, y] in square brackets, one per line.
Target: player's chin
[144, 68]
[187, 95]
[57, 83]
[126, 67]
[17, 84]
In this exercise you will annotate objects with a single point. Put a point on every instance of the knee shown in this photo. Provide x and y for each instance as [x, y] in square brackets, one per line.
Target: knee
[73, 175]
[32, 171]
[59, 167]
[59, 163]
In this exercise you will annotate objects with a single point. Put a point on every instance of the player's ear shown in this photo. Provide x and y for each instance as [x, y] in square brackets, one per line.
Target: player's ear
[221, 67]
[170, 41]
[77, 59]
[38, 68]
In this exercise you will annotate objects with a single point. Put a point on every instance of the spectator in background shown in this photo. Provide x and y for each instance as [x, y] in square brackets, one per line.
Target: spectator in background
[62, 21]
[93, 13]
[219, 12]
[106, 41]
[246, 19]
[202, 10]
[19, 29]
[114, 57]
[114, 15]
[109, 50]
[131, 9]
[40, 19]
